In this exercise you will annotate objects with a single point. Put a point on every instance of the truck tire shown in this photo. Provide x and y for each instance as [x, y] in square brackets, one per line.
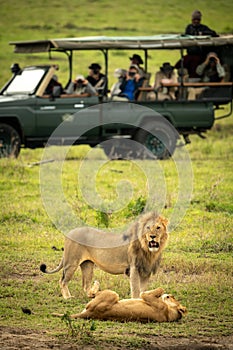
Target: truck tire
[10, 142]
[158, 138]
[118, 149]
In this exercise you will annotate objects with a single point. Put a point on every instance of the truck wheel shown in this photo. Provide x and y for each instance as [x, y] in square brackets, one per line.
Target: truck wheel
[9, 142]
[118, 149]
[159, 139]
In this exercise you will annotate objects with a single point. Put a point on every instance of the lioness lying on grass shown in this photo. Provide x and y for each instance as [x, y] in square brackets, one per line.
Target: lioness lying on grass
[136, 253]
[152, 305]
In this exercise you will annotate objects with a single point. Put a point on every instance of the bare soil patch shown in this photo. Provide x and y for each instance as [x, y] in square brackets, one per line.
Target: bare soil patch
[15, 338]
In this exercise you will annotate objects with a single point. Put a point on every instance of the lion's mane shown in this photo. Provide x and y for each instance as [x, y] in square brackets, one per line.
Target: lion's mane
[146, 262]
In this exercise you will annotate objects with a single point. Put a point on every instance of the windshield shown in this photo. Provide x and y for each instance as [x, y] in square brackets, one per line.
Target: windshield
[25, 82]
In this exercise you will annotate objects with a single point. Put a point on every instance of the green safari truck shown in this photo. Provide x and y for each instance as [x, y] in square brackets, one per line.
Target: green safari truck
[29, 117]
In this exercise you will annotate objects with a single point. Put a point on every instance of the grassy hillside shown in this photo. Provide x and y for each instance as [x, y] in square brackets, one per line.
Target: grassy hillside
[30, 20]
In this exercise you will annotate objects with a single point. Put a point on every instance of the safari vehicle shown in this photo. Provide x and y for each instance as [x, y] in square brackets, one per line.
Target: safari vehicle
[28, 116]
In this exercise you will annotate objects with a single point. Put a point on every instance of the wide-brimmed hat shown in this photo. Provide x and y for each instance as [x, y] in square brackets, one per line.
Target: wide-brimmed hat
[166, 67]
[196, 14]
[94, 66]
[136, 57]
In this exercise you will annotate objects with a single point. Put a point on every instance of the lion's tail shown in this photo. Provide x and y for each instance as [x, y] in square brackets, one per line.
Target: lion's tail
[43, 268]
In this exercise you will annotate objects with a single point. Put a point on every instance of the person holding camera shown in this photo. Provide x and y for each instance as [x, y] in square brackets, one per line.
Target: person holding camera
[97, 79]
[130, 84]
[81, 87]
[136, 59]
[210, 70]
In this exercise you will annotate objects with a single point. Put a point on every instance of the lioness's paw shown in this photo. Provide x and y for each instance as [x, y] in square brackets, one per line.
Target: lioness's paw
[91, 293]
[159, 291]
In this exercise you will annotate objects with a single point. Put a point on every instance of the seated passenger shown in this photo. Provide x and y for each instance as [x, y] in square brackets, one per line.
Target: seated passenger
[53, 82]
[196, 28]
[166, 74]
[80, 86]
[97, 79]
[210, 70]
[130, 84]
[120, 74]
[136, 59]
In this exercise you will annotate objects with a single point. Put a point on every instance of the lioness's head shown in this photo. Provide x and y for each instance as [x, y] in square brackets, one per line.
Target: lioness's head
[174, 304]
[155, 234]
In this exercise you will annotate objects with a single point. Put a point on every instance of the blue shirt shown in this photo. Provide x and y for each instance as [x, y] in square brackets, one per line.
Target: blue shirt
[129, 89]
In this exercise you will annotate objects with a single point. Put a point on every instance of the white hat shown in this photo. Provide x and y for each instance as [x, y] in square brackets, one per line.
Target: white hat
[118, 72]
[80, 77]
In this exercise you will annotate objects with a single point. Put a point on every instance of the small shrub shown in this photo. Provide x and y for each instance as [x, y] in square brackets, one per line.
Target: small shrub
[102, 218]
[136, 207]
[81, 330]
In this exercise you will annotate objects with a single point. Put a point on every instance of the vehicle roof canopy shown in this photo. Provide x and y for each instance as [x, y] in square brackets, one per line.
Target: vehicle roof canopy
[165, 41]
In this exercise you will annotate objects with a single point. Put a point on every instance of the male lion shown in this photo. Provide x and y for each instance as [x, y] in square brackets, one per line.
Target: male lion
[136, 253]
[153, 305]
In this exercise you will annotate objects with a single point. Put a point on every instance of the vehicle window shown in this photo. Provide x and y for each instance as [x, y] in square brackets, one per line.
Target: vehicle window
[25, 82]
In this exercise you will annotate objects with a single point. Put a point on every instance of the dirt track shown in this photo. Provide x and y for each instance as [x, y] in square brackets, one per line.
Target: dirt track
[12, 339]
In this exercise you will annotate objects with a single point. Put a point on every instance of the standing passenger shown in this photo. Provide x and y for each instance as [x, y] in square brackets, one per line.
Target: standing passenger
[196, 28]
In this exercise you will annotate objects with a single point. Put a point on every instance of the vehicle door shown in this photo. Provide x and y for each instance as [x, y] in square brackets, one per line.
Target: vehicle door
[71, 116]
[120, 117]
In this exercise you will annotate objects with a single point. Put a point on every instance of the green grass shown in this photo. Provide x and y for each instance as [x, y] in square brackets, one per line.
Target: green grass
[197, 263]
[196, 266]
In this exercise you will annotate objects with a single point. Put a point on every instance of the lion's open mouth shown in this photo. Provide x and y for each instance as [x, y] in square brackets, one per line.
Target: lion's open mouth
[153, 245]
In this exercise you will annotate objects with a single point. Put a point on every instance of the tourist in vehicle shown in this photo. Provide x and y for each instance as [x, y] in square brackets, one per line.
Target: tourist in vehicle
[136, 59]
[196, 28]
[210, 70]
[97, 79]
[81, 86]
[120, 74]
[130, 84]
[53, 82]
[190, 62]
[166, 75]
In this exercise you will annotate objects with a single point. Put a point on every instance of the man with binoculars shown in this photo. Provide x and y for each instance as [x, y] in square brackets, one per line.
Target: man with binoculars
[210, 70]
[81, 86]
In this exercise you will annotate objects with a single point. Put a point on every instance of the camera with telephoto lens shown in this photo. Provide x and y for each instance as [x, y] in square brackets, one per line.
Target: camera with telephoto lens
[212, 59]
[79, 81]
[132, 74]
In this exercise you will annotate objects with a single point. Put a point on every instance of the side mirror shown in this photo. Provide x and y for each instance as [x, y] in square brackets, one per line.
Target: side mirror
[15, 68]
